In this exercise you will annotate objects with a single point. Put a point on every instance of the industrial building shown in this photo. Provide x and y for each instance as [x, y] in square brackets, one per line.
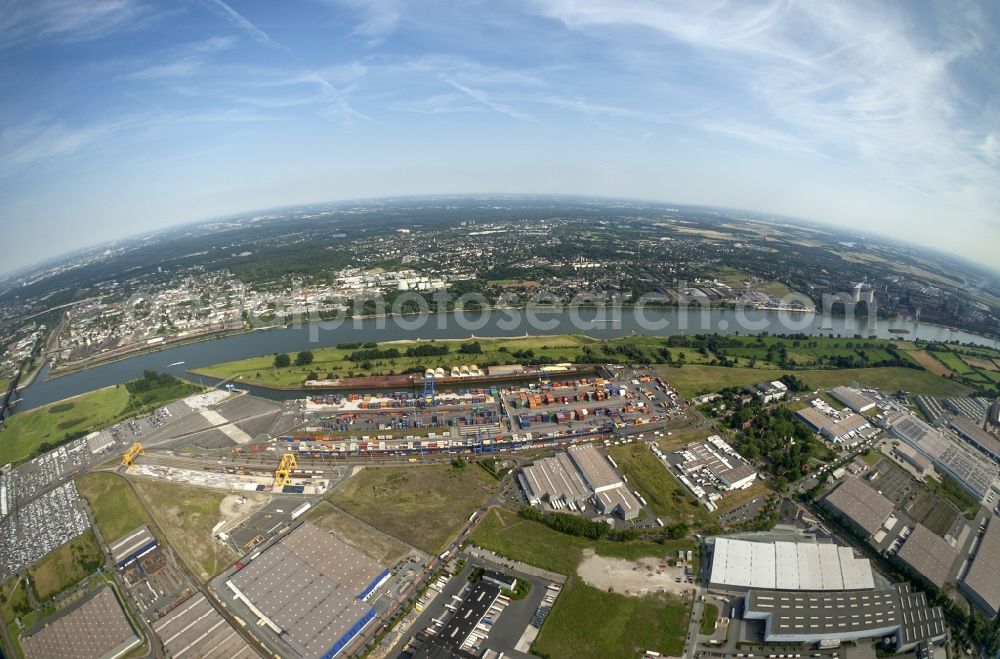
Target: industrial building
[913, 458]
[981, 584]
[816, 616]
[973, 471]
[310, 588]
[835, 426]
[97, 629]
[860, 505]
[994, 416]
[132, 546]
[928, 554]
[195, 629]
[976, 437]
[715, 462]
[854, 399]
[812, 566]
[570, 479]
[769, 391]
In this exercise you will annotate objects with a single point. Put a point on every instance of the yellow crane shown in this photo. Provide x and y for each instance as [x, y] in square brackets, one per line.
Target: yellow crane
[131, 454]
[283, 474]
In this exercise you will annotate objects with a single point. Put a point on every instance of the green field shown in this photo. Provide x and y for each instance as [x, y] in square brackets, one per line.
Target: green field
[116, 508]
[708, 617]
[586, 622]
[670, 500]
[534, 543]
[28, 431]
[694, 380]
[952, 361]
[66, 566]
[186, 515]
[421, 505]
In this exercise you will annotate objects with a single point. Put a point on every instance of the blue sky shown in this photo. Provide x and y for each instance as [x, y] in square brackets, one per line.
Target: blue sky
[120, 116]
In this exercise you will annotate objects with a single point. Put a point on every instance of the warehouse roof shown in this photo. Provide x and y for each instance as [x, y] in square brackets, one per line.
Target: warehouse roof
[853, 398]
[309, 585]
[194, 628]
[832, 614]
[97, 628]
[860, 503]
[929, 554]
[556, 478]
[976, 435]
[596, 469]
[814, 418]
[788, 566]
[133, 543]
[983, 578]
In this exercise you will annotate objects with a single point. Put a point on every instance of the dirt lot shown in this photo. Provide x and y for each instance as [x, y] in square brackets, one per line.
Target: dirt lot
[639, 577]
[979, 362]
[233, 512]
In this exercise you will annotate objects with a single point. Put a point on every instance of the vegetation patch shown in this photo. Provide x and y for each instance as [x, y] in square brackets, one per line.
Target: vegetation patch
[587, 622]
[709, 616]
[116, 508]
[66, 566]
[186, 515]
[422, 505]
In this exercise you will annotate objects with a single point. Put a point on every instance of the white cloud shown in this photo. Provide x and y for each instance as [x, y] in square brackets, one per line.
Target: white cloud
[223, 10]
[68, 20]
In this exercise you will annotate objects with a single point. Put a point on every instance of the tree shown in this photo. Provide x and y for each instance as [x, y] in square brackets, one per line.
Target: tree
[304, 358]
[311, 375]
[282, 361]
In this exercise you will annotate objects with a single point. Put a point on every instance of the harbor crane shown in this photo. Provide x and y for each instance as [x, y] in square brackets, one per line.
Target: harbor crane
[131, 454]
[283, 474]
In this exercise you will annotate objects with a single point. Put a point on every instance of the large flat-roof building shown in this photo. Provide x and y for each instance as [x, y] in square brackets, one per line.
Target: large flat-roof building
[195, 629]
[568, 480]
[836, 426]
[860, 504]
[853, 398]
[811, 617]
[97, 629]
[717, 462]
[132, 546]
[742, 564]
[976, 437]
[981, 582]
[928, 554]
[973, 470]
[311, 589]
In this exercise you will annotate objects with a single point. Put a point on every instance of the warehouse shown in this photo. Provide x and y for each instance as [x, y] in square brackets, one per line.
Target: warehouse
[928, 554]
[741, 564]
[982, 582]
[913, 458]
[715, 462]
[811, 617]
[860, 505]
[132, 546]
[570, 479]
[195, 629]
[835, 426]
[97, 628]
[994, 418]
[310, 588]
[975, 436]
[853, 398]
[975, 472]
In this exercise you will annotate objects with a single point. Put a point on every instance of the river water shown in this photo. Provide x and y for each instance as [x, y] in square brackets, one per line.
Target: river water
[598, 323]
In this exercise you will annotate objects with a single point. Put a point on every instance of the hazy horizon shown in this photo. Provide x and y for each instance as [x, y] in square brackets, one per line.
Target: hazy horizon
[123, 116]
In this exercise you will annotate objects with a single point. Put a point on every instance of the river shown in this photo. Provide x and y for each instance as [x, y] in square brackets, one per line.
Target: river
[593, 322]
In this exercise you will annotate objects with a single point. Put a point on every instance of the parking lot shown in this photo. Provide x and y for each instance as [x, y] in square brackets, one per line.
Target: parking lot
[40, 526]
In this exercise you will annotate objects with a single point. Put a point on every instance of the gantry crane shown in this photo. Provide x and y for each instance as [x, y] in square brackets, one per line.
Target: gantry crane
[130, 455]
[283, 474]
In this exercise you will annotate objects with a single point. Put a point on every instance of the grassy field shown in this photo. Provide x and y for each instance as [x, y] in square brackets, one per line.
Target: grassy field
[186, 515]
[381, 547]
[66, 566]
[666, 496]
[534, 543]
[708, 617]
[421, 505]
[260, 370]
[587, 622]
[115, 507]
[692, 380]
[26, 431]
[928, 361]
